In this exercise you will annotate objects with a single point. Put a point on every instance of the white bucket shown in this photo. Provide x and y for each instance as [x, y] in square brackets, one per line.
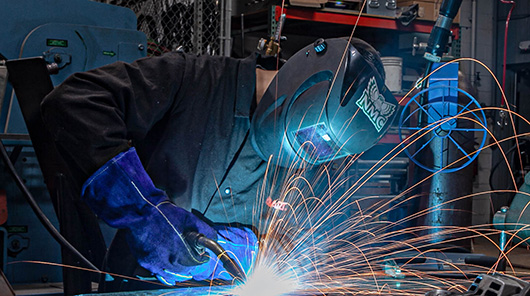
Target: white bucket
[393, 67]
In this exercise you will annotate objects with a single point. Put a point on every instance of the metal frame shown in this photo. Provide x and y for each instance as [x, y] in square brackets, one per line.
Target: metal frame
[350, 18]
[198, 26]
[78, 224]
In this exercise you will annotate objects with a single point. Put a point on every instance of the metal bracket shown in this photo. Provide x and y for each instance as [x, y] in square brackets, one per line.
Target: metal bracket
[3, 82]
[524, 46]
[499, 222]
[373, 3]
[418, 47]
[57, 56]
[503, 119]
[198, 25]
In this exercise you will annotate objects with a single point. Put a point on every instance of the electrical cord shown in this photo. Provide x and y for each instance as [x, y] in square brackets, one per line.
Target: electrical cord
[508, 153]
[39, 213]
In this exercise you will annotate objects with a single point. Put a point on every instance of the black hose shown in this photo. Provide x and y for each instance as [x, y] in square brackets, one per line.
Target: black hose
[38, 212]
[500, 161]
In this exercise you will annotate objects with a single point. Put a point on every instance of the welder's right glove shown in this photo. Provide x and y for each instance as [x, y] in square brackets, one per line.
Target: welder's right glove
[240, 243]
[123, 195]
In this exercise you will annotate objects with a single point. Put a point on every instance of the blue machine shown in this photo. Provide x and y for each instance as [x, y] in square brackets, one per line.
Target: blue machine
[73, 36]
[77, 35]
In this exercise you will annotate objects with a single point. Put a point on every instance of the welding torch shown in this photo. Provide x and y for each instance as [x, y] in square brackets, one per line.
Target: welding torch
[438, 39]
[199, 241]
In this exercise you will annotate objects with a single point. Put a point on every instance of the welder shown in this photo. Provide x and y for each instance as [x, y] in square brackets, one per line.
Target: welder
[153, 140]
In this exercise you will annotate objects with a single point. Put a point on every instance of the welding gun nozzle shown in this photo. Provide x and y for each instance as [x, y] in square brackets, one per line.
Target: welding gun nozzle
[192, 238]
[199, 241]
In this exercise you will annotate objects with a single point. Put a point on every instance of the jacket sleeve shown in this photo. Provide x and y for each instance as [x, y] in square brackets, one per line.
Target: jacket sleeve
[94, 115]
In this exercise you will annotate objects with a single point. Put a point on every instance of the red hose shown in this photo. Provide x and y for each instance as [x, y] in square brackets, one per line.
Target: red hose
[503, 102]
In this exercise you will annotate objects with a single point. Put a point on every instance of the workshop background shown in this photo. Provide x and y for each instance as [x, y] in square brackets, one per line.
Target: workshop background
[130, 29]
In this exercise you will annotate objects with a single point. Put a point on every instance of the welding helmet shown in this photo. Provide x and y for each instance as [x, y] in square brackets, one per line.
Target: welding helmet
[328, 101]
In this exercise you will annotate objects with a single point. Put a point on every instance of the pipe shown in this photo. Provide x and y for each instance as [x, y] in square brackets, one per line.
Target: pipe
[228, 25]
[222, 28]
[503, 102]
[473, 40]
[242, 34]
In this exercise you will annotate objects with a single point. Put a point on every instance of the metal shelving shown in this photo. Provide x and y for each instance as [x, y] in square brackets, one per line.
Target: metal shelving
[350, 17]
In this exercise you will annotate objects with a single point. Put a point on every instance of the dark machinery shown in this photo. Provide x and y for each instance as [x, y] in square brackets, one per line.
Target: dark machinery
[73, 35]
[437, 129]
[514, 221]
[66, 36]
[496, 284]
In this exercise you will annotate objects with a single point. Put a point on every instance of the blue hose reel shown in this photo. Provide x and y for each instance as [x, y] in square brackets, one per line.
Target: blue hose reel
[447, 132]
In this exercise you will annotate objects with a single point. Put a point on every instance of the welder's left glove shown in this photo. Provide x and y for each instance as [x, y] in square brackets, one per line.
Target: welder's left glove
[123, 195]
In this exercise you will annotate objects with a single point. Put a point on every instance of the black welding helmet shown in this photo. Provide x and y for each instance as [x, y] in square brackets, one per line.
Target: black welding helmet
[328, 101]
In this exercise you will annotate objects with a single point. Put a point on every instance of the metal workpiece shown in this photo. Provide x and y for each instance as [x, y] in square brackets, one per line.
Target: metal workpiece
[191, 291]
[227, 290]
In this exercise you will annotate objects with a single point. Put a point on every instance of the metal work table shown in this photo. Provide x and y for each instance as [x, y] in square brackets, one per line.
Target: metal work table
[191, 291]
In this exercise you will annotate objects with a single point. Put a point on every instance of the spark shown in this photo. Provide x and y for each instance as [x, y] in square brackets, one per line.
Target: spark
[332, 241]
[335, 242]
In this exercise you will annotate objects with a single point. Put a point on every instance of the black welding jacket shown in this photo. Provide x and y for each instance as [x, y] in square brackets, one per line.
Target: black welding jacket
[188, 117]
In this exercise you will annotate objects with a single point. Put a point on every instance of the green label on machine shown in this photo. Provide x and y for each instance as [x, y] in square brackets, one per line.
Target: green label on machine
[17, 228]
[109, 53]
[57, 42]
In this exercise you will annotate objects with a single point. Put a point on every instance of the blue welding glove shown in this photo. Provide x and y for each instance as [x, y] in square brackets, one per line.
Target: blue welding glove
[123, 195]
[240, 243]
